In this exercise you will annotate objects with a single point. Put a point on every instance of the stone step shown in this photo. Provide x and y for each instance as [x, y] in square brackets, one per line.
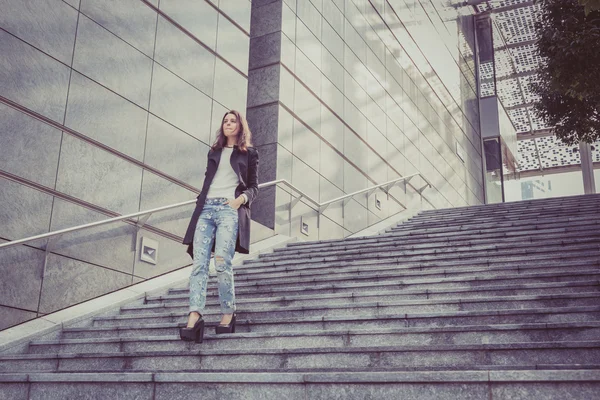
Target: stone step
[590, 242]
[427, 319]
[385, 307]
[406, 275]
[565, 252]
[194, 357]
[371, 326]
[518, 207]
[470, 235]
[462, 227]
[557, 209]
[372, 273]
[388, 295]
[541, 213]
[268, 290]
[490, 232]
[523, 206]
[509, 221]
[389, 238]
[366, 266]
[515, 333]
[498, 382]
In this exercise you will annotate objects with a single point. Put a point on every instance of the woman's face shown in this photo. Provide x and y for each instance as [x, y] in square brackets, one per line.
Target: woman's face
[230, 125]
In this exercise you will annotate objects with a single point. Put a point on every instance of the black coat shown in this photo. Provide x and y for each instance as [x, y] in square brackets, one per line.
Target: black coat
[245, 166]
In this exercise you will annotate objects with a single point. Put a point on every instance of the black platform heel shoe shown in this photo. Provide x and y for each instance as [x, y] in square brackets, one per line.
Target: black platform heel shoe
[195, 334]
[229, 328]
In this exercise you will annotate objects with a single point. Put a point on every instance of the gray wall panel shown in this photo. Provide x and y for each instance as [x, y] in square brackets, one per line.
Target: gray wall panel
[305, 178]
[197, 17]
[131, 20]
[158, 192]
[24, 212]
[180, 103]
[107, 245]
[239, 11]
[285, 128]
[97, 176]
[332, 165]
[106, 117]
[287, 89]
[74, 3]
[28, 147]
[306, 145]
[355, 181]
[308, 44]
[48, 25]
[333, 69]
[329, 191]
[356, 216]
[69, 282]
[32, 79]
[282, 219]
[307, 72]
[233, 44]
[307, 107]
[129, 71]
[329, 230]
[183, 56]
[285, 160]
[21, 264]
[10, 317]
[356, 150]
[310, 15]
[333, 42]
[175, 153]
[231, 88]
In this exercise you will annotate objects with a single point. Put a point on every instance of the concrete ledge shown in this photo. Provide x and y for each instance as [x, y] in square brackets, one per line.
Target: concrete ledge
[17, 336]
[317, 377]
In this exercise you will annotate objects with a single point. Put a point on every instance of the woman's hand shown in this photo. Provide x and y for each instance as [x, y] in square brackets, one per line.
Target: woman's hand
[235, 203]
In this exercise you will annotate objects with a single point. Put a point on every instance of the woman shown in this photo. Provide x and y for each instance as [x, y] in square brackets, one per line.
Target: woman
[221, 221]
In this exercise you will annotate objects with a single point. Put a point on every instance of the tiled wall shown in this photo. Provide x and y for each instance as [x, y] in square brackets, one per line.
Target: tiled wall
[349, 94]
[106, 107]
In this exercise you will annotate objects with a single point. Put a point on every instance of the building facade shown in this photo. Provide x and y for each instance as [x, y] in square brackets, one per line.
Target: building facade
[109, 108]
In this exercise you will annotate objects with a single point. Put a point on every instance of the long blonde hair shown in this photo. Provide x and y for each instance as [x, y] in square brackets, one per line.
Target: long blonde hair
[244, 136]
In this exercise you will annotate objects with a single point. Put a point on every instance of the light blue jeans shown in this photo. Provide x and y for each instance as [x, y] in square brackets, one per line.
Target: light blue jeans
[217, 222]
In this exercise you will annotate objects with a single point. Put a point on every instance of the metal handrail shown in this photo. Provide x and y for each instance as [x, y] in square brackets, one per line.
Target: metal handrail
[148, 213]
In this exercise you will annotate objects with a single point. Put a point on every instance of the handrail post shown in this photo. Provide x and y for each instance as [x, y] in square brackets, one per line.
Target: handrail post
[138, 227]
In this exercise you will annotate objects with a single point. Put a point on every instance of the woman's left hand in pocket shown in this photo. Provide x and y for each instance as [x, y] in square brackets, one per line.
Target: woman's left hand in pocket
[235, 203]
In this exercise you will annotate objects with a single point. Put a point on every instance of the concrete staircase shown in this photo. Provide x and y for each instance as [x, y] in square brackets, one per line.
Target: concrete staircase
[483, 302]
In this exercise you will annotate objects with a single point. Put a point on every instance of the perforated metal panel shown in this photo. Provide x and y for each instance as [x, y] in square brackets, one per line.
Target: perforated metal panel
[552, 153]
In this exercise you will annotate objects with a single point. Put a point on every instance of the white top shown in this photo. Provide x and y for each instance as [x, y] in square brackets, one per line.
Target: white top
[225, 180]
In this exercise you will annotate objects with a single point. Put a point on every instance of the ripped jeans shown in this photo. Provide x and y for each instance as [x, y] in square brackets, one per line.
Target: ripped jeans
[217, 222]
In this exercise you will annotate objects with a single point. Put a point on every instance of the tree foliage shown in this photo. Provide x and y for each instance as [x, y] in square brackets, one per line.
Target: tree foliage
[590, 5]
[569, 75]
